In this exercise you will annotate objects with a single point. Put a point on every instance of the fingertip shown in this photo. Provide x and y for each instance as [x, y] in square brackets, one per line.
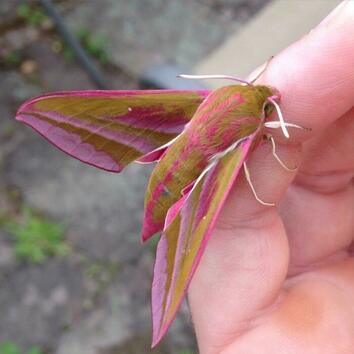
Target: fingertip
[315, 75]
[336, 16]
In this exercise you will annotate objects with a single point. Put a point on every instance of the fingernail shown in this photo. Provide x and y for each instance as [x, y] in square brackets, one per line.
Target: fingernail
[333, 14]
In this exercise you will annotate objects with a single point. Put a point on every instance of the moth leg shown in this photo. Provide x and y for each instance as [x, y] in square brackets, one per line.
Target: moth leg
[282, 164]
[273, 100]
[248, 178]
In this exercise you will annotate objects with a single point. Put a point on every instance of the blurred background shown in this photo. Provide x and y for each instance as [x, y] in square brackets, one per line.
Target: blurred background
[74, 277]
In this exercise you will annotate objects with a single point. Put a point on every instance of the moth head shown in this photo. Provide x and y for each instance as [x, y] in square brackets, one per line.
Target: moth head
[271, 103]
[264, 93]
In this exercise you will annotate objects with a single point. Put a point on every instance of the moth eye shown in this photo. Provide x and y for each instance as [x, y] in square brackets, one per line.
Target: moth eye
[268, 109]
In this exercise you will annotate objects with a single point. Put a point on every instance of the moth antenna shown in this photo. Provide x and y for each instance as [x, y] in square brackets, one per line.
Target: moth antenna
[282, 164]
[265, 66]
[202, 77]
[248, 178]
[280, 116]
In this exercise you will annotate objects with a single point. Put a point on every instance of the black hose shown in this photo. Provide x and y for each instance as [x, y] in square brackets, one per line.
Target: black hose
[74, 44]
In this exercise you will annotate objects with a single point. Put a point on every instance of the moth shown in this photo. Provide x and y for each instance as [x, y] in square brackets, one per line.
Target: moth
[200, 140]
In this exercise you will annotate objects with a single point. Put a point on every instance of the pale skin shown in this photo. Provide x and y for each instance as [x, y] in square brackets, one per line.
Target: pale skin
[281, 279]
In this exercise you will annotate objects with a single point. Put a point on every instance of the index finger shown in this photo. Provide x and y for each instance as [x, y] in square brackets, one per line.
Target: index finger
[316, 74]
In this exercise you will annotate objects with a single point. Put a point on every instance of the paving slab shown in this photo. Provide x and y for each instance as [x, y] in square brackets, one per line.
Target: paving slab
[274, 28]
[141, 34]
[37, 303]
[120, 324]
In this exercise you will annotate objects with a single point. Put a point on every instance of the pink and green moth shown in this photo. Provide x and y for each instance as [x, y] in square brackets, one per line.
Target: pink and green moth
[200, 141]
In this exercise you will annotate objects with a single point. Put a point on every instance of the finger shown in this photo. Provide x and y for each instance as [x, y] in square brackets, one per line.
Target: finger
[322, 197]
[329, 155]
[323, 186]
[246, 259]
[315, 75]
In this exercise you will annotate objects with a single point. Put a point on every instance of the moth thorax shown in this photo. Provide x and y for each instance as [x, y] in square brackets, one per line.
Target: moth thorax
[262, 93]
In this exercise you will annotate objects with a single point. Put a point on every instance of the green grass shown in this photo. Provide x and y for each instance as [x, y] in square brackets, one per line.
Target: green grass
[94, 45]
[101, 272]
[11, 59]
[33, 16]
[34, 350]
[9, 347]
[36, 238]
[186, 351]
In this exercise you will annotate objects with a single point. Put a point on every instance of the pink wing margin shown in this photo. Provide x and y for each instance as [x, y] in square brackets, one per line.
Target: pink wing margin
[110, 129]
[183, 242]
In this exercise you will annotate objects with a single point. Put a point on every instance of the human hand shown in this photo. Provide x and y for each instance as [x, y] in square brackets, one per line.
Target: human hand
[281, 279]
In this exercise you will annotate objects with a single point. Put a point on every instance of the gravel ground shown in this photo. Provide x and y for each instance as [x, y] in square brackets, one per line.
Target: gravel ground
[96, 298]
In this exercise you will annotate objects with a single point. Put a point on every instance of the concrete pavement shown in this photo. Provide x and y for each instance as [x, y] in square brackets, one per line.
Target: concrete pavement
[271, 30]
